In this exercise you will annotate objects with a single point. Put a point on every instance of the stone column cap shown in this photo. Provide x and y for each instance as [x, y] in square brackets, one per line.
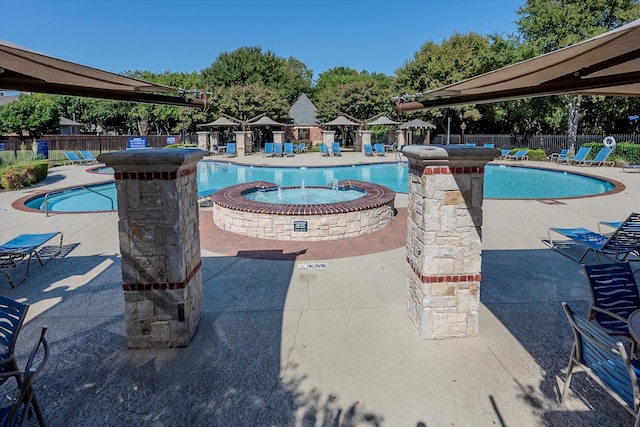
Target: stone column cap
[449, 153]
[156, 159]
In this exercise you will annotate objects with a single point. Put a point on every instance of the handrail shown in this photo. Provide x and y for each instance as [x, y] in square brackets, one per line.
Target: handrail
[46, 196]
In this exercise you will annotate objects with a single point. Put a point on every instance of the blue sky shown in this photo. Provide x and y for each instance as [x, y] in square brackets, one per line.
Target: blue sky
[188, 35]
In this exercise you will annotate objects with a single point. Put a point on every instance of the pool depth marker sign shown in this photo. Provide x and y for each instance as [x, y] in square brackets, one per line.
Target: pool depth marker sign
[300, 226]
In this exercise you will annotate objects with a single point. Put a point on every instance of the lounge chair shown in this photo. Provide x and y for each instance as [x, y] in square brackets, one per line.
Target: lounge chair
[580, 156]
[504, 153]
[324, 150]
[560, 157]
[617, 246]
[216, 149]
[368, 150]
[614, 296]
[277, 149]
[519, 155]
[88, 156]
[288, 149]
[470, 144]
[302, 148]
[631, 168]
[379, 149]
[601, 158]
[231, 150]
[74, 159]
[25, 246]
[488, 145]
[391, 148]
[268, 149]
[335, 149]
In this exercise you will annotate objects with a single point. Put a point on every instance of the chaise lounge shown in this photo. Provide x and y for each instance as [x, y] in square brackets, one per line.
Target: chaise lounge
[25, 246]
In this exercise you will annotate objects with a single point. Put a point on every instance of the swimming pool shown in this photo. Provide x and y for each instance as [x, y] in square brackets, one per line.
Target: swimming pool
[501, 182]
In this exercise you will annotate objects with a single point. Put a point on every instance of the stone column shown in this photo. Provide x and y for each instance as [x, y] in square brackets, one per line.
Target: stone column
[159, 244]
[203, 141]
[214, 137]
[244, 143]
[391, 137]
[278, 136]
[401, 138]
[444, 247]
[363, 139]
[328, 136]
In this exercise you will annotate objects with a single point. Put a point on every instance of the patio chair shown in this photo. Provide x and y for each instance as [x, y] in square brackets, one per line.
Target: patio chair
[519, 155]
[605, 360]
[288, 149]
[617, 246]
[216, 149]
[268, 149]
[25, 403]
[631, 168]
[324, 150]
[302, 148]
[379, 149]
[488, 145]
[88, 156]
[231, 150]
[335, 149]
[368, 150]
[391, 148]
[560, 157]
[504, 153]
[470, 144]
[614, 296]
[580, 156]
[25, 246]
[74, 159]
[601, 158]
[277, 149]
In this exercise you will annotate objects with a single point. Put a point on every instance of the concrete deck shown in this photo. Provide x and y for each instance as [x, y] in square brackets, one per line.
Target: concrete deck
[283, 346]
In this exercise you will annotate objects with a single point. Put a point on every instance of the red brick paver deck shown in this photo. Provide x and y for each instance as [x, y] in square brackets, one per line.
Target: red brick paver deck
[223, 242]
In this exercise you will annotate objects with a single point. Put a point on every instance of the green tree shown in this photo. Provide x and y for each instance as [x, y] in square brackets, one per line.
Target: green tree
[245, 102]
[548, 25]
[35, 114]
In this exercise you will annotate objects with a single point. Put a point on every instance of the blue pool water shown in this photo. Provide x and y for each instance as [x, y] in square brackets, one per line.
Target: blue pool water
[501, 182]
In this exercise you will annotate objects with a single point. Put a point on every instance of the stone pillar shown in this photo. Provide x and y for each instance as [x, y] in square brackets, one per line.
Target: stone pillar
[203, 141]
[278, 136]
[391, 137]
[364, 138]
[159, 244]
[244, 142]
[444, 247]
[328, 136]
[401, 138]
[214, 138]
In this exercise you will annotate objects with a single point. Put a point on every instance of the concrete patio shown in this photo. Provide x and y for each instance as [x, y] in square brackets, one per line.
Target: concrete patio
[279, 345]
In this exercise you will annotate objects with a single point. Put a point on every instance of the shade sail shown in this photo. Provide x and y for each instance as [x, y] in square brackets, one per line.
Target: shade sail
[28, 71]
[341, 121]
[416, 123]
[265, 121]
[383, 120]
[608, 64]
[220, 122]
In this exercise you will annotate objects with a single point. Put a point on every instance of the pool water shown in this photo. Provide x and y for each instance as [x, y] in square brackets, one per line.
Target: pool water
[301, 196]
[501, 182]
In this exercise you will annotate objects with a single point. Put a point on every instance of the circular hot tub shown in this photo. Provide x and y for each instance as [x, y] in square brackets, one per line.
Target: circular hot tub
[234, 212]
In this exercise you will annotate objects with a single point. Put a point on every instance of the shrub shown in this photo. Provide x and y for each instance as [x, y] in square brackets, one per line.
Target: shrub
[22, 175]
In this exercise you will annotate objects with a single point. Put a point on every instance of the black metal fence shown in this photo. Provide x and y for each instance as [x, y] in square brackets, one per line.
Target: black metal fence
[548, 143]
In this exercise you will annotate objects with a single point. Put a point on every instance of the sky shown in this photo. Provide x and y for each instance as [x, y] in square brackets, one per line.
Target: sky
[188, 35]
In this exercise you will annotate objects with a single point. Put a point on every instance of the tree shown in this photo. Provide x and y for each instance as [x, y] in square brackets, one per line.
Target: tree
[35, 114]
[245, 102]
[548, 25]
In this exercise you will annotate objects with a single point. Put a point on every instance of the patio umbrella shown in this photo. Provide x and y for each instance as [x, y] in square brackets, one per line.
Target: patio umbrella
[608, 64]
[265, 121]
[29, 71]
[341, 121]
[220, 122]
[383, 120]
[416, 123]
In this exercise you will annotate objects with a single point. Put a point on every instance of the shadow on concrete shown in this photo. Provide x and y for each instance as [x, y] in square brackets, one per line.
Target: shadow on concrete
[234, 372]
[524, 290]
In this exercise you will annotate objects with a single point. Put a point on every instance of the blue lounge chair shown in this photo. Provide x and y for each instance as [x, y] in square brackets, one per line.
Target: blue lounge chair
[368, 150]
[231, 150]
[277, 149]
[302, 148]
[470, 144]
[216, 149]
[324, 150]
[335, 149]
[519, 155]
[601, 158]
[504, 153]
[379, 148]
[268, 149]
[88, 156]
[288, 149]
[631, 168]
[622, 245]
[560, 157]
[74, 159]
[580, 156]
[488, 145]
[25, 246]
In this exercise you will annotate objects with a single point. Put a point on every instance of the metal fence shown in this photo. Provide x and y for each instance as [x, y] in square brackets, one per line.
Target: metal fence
[548, 143]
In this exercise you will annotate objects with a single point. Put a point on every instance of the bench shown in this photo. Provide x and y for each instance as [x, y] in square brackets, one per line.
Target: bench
[605, 359]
